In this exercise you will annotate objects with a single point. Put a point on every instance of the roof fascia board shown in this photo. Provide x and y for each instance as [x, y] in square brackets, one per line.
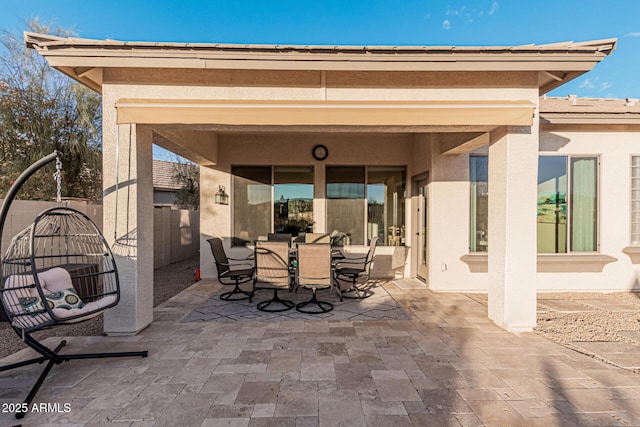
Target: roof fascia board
[455, 62]
[589, 118]
[316, 65]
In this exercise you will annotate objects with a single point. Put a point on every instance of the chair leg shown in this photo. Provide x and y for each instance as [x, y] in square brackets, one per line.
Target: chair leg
[229, 296]
[54, 358]
[355, 291]
[323, 306]
[286, 304]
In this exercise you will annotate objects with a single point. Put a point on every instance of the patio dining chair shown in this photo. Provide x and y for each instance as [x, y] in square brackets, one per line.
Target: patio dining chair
[272, 273]
[279, 237]
[237, 273]
[313, 271]
[357, 271]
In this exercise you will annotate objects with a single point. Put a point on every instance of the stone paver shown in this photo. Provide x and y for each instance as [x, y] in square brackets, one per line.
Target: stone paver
[619, 353]
[612, 305]
[404, 357]
[565, 306]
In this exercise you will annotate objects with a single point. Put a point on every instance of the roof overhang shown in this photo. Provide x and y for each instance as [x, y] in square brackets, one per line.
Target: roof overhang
[589, 119]
[83, 59]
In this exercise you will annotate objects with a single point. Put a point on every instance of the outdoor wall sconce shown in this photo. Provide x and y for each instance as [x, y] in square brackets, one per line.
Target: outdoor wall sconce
[221, 197]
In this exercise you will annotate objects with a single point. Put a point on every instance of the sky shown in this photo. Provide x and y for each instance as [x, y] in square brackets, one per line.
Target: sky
[363, 22]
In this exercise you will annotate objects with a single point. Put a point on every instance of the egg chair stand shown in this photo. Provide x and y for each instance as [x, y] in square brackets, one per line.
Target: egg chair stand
[57, 271]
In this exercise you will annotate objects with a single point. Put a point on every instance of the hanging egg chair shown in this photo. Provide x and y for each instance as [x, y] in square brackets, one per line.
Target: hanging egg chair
[59, 270]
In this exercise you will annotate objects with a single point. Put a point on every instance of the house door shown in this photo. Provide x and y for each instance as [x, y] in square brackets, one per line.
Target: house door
[423, 241]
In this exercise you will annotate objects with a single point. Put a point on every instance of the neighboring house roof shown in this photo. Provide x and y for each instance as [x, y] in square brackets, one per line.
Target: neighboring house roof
[163, 176]
[575, 110]
[81, 59]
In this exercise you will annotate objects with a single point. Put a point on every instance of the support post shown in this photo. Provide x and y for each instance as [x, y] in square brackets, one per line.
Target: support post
[513, 171]
[128, 223]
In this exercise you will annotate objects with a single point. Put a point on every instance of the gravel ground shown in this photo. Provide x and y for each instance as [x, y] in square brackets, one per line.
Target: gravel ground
[168, 281]
[587, 326]
[597, 325]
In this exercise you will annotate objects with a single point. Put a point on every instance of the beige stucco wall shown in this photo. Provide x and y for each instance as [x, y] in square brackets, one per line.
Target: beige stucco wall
[295, 149]
[614, 149]
[449, 192]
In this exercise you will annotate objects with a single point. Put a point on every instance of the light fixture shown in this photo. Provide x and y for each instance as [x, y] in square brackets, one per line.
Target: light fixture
[221, 197]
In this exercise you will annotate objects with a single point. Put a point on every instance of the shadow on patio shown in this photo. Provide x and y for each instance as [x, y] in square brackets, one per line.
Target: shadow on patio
[379, 306]
[428, 359]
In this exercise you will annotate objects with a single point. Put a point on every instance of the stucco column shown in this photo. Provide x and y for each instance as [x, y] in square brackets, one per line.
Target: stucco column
[513, 171]
[128, 223]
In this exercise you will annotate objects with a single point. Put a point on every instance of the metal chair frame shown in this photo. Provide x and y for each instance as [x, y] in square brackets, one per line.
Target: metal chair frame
[272, 273]
[354, 270]
[58, 237]
[318, 255]
[230, 273]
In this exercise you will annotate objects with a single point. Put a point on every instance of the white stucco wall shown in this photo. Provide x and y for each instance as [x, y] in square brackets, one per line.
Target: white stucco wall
[614, 150]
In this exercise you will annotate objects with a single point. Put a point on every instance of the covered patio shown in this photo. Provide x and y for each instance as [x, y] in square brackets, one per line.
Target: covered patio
[355, 119]
[442, 362]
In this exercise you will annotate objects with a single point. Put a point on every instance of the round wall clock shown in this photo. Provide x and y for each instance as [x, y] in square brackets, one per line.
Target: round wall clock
[320, 152]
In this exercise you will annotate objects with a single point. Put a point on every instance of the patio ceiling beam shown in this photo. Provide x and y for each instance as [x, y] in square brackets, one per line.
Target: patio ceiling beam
[460, 143]
[200, 147]
[326, 113]
[89, 76]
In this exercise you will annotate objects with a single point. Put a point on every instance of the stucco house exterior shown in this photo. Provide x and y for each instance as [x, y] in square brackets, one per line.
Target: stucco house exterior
[471, 179]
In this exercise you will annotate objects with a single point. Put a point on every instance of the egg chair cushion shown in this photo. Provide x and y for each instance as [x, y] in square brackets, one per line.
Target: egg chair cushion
[67, 299]
[13, 297]
[54, 282]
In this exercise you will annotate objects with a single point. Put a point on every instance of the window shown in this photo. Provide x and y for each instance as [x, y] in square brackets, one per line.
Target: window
[385, 204]
[383, 197]
[251, 203]
[293, 200]
[346, 202]
[479, 215]
[567, 204]
[361, 202]
[635, 200]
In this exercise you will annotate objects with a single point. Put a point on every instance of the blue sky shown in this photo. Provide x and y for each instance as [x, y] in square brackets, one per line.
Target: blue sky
[363, 22]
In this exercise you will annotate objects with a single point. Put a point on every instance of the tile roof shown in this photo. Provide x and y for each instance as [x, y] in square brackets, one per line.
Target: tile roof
[163, 176]
[49, 41]
[574, 104]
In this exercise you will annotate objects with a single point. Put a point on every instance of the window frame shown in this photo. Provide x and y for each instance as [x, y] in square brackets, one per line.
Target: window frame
[366, 200]
[325, 213]
[569, 201]
[631, 200]
[470, 217]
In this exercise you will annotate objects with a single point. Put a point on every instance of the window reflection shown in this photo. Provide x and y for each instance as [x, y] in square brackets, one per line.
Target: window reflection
[346, 203]
[251, 203]
[552, 204]
[479, 227]
[385, 200]
[293, 200]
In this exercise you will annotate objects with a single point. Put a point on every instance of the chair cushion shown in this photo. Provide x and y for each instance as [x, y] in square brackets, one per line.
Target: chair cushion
[12, 296]
[244, 272]
[67, 299]
[349, 271]
[57, 280]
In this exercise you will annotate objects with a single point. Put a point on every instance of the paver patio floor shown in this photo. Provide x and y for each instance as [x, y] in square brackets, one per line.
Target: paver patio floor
[434, 359]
